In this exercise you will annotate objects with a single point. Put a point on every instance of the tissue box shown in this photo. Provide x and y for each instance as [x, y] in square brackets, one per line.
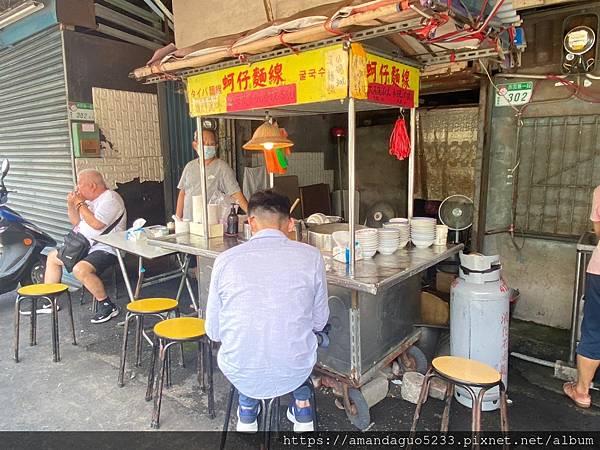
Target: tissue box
[215, 230]
[135, 235]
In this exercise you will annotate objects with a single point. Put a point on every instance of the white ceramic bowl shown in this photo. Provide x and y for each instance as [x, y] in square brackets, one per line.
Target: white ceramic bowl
[387, 251]
[423, 244]
[399, 220]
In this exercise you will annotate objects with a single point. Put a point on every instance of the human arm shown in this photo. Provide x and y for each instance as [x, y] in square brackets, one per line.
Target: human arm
[595, 214]
[72, 209]
[321, 303]
[105, 213]
[180, 201]
[240, 199]
[229, 186]
[213, 306]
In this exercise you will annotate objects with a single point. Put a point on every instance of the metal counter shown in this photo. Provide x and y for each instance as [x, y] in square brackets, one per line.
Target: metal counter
[371, 313]
[585, 246]
[371, 275]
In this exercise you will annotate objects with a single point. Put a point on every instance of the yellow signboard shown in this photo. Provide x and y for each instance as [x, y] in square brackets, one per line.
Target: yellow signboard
[308, 77]
[382, 80]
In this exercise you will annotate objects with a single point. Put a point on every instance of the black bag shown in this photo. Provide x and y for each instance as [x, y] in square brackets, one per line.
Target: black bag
[76, 246]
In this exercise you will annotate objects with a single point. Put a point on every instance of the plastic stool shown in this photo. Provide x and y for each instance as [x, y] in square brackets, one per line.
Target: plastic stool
[50, 292]
[178, 330]
[268, 408]
[470, 375]
[138, 309]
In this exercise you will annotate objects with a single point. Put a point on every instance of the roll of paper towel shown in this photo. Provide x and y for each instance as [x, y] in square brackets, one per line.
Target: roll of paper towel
[197, 208]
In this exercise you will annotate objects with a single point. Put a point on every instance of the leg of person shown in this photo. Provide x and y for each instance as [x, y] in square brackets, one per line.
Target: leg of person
[247, 413]
[87, 271]
[588, 350]
[299, 411]
[54, 266]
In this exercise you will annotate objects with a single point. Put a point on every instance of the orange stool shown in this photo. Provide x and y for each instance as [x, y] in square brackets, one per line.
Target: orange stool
[138, 309]
[174, 331]
[50, 292]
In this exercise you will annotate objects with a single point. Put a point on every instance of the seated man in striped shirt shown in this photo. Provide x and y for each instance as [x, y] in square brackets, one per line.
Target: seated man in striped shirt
[267, 299]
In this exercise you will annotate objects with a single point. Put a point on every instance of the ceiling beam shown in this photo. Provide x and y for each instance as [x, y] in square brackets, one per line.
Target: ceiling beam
[528, 4]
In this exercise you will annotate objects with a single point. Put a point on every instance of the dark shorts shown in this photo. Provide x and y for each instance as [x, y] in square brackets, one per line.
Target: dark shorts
[589, 344]
[101, 260]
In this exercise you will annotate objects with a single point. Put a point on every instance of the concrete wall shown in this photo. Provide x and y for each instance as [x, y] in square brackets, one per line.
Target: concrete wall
[197, 20]
[543, 269]
[93, 61]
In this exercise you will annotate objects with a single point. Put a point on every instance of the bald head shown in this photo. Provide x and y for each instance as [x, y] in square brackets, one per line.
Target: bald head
[90, 184]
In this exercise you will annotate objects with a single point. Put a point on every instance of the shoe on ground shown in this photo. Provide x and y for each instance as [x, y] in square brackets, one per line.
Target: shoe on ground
[300, 417]
[45, 309]
[106, 311]
[248, 419]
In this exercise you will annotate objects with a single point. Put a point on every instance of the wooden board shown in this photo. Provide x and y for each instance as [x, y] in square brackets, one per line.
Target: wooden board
[315, 199]
[288, 186]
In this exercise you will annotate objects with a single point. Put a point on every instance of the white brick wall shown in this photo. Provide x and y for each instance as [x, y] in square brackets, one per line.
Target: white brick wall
[309, 168]
[129, 120]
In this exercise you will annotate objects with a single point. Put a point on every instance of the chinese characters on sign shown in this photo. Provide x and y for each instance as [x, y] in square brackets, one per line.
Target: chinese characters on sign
[389, 82]
[294, 79]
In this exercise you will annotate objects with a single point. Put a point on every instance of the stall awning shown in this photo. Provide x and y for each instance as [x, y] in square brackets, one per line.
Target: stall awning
[428, 32]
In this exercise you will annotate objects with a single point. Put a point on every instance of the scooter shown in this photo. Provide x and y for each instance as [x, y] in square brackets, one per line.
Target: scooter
[21, 245]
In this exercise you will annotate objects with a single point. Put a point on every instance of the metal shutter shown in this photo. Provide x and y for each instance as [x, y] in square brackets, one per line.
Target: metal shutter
[34, 130]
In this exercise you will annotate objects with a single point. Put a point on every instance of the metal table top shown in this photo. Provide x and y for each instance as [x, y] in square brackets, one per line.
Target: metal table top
[587, 242]
[371, 275]
[139, 248]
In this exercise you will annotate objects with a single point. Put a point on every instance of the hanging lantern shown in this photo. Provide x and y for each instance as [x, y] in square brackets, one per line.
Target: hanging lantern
[267, 137]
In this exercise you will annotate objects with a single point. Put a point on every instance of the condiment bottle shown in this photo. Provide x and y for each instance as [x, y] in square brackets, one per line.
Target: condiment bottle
[232, 222]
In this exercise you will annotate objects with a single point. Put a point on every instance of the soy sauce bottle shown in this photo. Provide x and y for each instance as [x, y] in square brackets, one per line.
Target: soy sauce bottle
[232, 222]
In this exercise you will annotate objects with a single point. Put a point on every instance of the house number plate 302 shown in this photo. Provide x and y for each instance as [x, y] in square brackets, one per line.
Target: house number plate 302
[514, 94]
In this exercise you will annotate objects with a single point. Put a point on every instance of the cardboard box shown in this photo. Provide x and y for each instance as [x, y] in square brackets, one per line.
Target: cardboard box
[443, 281]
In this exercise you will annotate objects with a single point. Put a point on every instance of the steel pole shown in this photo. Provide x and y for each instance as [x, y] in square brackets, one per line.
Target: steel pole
[202, 176]
[411, 162]
[351, 181]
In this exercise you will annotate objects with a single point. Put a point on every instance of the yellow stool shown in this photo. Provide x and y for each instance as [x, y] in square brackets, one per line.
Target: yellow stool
[50, 292]
[138, 309]
[472, 376]
[174, 331]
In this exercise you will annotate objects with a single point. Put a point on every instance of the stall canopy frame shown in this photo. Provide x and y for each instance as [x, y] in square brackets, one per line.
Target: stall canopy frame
[353, 100]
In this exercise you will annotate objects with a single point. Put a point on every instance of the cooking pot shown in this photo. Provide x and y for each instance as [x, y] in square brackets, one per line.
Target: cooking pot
[320, 235]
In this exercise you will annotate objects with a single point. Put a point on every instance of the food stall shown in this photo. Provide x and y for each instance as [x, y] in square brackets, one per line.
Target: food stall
[374, 302]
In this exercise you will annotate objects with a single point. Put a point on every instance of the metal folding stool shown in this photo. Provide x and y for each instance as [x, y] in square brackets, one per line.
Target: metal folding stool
[51, 293]
[470, 375]
[269, 408]
[177, 331]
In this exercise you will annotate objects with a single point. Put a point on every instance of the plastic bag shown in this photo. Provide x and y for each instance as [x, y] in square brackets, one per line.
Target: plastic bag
[219, 205]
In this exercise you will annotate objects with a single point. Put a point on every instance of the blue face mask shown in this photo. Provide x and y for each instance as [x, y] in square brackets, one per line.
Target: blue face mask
[210, 151]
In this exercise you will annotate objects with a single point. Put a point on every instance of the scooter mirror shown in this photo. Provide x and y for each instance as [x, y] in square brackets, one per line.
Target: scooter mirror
[5, 167]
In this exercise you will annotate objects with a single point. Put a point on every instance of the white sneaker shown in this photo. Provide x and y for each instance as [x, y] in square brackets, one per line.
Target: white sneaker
[249, 423]
[45, 309]
[300, 417]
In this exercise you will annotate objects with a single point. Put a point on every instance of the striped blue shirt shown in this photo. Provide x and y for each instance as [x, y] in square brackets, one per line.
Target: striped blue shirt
[266, 298]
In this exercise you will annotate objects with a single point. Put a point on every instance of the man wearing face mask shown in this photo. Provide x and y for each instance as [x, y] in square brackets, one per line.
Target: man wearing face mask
[219, 177]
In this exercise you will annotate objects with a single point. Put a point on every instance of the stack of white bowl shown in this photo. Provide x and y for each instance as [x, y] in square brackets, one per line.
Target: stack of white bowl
[389, 240]
[422, 231]
[367, 238]
[403, 226]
